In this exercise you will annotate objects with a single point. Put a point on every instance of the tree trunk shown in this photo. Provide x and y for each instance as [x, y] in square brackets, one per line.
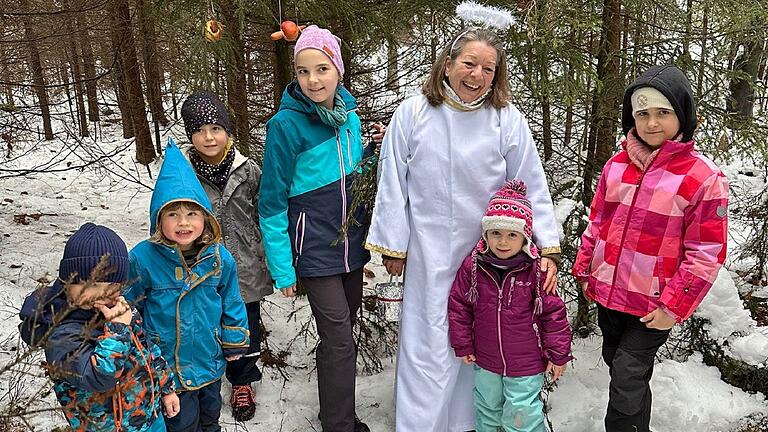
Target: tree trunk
[606, 97]
[703, 43]
[121, 26]
[150, 56]
[392, 75]
[543, 84]
[77, 77]
[742, 86]
[89, 66]
[605, 109]
[121, 92]
[282, 70]
[5, 75]
[35, 64]
[236, 80]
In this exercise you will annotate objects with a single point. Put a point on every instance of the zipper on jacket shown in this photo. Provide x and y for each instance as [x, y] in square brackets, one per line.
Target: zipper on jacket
[343, 186]
[349, 148]
[299, 235]
[499, 301]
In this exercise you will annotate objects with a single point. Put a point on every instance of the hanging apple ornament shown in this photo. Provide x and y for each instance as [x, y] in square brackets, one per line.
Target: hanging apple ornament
[288, 31]
[213, 30]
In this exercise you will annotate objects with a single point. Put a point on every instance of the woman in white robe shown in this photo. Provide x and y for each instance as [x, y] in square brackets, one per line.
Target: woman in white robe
[444, 154]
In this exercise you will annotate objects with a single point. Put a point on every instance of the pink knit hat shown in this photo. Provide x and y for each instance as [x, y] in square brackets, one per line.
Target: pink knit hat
[323, 40]
[509, 209]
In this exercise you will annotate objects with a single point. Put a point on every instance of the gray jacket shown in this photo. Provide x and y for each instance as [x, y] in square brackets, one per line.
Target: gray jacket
[237, 209]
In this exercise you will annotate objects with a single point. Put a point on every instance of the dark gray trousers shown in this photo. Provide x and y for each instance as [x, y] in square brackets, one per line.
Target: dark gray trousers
[335, 301]
[629, 350]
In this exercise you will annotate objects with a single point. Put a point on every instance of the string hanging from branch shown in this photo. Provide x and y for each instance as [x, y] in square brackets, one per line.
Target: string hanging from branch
[289, 30]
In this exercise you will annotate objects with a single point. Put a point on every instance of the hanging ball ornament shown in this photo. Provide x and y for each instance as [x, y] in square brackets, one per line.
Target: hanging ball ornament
[288, 31]
[213, 30]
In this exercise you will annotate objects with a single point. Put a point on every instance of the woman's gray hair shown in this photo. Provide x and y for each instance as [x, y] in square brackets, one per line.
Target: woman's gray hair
[500, 92]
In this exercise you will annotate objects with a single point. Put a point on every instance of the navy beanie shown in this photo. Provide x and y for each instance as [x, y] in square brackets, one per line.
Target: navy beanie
[202, 108]
[84, 250]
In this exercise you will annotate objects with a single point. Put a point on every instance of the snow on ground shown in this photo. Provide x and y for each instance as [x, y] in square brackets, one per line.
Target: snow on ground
[687, 396]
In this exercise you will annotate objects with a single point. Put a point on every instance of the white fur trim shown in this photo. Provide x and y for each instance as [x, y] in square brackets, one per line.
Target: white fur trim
[486, 15]
[503, 222]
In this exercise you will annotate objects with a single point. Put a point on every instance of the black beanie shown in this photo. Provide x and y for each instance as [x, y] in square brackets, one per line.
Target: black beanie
[202, 108]
[674, 85]
[84, 250]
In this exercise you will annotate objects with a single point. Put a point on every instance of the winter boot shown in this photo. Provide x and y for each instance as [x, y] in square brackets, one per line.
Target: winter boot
[243, 402]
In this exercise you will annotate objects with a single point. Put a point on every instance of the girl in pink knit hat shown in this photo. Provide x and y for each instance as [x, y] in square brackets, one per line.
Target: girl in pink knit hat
[311, 157]
[501, 320]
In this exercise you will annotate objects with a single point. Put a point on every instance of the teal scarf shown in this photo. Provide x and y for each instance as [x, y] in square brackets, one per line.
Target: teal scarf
[335, 117]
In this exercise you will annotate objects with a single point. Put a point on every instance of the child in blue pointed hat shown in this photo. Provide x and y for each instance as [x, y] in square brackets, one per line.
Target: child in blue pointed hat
[184, 282]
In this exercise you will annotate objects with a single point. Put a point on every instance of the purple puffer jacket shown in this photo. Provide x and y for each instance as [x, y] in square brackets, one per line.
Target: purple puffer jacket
[513, 330]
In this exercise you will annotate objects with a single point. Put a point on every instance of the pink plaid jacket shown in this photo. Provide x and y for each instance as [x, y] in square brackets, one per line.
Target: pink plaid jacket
[656, 238]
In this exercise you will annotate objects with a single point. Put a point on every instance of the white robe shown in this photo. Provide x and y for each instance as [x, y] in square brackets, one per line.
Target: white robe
[438, 169]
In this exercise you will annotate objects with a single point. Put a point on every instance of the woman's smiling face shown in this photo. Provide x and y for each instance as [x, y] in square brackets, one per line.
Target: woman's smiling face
[471, 73]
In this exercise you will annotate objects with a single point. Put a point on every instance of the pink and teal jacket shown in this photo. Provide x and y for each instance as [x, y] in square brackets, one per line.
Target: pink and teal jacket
[655, 238]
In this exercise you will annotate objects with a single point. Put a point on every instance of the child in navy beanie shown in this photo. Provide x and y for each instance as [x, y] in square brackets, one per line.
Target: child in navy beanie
[107, 374]
[86, 248]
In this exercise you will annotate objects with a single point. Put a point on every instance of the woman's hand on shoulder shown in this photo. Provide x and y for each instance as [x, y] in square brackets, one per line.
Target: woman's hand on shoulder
[550, 283]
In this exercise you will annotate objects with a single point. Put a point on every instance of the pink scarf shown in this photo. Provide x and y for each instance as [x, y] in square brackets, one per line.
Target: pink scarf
[640, 154]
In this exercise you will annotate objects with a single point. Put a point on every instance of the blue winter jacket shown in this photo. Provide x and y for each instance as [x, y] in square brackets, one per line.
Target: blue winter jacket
[194, 309]
[107, 376]
[306, 187]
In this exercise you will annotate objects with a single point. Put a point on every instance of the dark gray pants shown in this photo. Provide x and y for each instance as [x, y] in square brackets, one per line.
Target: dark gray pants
[335, 301]
[629, 350]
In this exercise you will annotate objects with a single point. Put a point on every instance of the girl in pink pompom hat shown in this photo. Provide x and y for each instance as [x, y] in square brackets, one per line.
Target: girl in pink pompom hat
[501, 320]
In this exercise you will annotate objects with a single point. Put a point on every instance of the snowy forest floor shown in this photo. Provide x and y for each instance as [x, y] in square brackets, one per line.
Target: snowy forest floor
[38, 211]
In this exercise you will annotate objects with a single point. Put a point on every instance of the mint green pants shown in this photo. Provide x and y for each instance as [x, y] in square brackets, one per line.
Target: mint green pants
[509, 404]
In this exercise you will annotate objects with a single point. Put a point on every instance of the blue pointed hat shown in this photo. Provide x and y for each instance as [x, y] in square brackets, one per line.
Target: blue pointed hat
[177, 181]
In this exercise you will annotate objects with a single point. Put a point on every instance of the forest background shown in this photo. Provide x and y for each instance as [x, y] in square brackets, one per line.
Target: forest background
[71, 68]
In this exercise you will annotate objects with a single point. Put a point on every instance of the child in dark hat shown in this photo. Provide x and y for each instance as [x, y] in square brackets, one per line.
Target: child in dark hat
[656, 238]
[107, 374]
[232, 182]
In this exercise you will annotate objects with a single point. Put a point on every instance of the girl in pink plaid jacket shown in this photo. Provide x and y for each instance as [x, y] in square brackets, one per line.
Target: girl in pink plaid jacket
[656, 238]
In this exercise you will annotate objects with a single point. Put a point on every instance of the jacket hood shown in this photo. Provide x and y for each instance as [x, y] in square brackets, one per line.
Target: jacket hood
[674, 85]
[294, 99]
[177, 181]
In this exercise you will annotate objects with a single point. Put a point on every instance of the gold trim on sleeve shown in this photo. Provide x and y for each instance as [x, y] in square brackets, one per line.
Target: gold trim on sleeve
[384, 251]
[550, 250]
